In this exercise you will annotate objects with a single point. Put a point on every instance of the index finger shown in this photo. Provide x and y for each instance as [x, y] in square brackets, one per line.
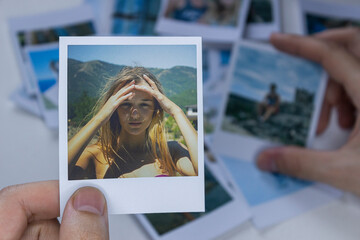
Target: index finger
[342, 66]
[151, 82]
[343, 36]
[23, 204]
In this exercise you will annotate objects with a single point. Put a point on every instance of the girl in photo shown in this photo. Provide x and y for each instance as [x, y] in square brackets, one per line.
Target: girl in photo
[131, 138]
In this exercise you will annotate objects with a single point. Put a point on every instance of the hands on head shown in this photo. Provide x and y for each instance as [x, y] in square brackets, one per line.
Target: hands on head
[30, 211]
[338, 51]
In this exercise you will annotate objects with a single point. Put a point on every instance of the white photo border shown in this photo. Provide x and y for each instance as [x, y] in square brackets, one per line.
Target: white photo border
[210, 34]
[50, 116]
[262, 31]
[134, 195]
[46, 20]
[328, 10]
[287, 206]
[247, 147]
[230, 215]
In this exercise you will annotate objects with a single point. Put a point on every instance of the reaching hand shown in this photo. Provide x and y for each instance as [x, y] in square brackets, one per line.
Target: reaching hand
[338, 51]
[30, 211]
[164, 102]
[115, 100]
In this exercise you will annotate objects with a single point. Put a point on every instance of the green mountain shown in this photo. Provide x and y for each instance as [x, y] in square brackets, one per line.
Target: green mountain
[87, 79]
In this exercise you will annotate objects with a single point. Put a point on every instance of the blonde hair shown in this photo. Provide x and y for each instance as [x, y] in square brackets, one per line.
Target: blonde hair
[156, 141]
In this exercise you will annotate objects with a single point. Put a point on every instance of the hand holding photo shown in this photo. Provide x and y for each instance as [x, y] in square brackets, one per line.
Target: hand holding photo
[129, 122]
[273, 99]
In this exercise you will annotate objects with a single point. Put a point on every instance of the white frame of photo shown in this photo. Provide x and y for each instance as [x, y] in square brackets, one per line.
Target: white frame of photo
[217, 222]
[63, 17]
[211, 34]
[262, 31]
[328, 10]
[143, 195]
[247, 147]
[287, 206]
[50, 116]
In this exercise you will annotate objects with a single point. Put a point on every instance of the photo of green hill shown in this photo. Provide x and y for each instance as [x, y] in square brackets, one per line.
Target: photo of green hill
[87, 79]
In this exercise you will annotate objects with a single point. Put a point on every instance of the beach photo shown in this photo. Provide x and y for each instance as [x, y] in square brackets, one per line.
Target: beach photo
[218, 22]
[207, 12]
[135, 17]
[45, 29]
[44, 66]
[271, 96]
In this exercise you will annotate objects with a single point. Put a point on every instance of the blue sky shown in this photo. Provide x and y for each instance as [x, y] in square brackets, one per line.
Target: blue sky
[41, 62]
[156, 56]
[256, 69]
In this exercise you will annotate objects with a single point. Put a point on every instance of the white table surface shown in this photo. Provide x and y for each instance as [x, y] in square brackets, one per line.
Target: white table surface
[29, 151]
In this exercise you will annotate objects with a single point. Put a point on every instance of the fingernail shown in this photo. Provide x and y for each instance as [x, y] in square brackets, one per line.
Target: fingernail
[144, 75]
[89, 200]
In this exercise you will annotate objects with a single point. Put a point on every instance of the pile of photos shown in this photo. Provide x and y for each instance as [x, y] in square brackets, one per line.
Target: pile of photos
[242, 76]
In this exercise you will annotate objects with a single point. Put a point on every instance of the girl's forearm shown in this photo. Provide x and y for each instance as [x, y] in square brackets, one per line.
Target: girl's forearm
[78, 143]
[190, 135]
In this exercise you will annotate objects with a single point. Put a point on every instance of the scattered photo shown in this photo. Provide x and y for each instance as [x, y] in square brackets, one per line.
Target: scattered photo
[263, 19]
[261, 11]
[216, 21]
[212, 105]
[144, 116]
[214, 89]
[102, 12]
[224, 210]
[44, 61]
[272, 99]
[319, 16]
[135, 17]
[46, 28]
[26, 102]
[273, 197]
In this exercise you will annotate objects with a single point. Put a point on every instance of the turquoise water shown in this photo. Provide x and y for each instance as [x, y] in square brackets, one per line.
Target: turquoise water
[45, 84]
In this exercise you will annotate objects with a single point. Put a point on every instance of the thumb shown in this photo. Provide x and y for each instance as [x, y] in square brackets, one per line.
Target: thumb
[85, 216]
[297, 162]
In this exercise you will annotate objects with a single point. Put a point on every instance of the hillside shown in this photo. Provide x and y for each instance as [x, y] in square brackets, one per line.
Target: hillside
[87, 79]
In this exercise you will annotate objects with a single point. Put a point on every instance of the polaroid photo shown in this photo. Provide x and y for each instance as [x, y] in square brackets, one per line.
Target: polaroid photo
[131, 18]
[212, 106]
[272, 99]
[273, 197]
[44, 62]
[102, 11]
[217, 22]
[225, 210]
[263, 19]
[218, 66]
[319, 16]
[44, 29]
[26, 102]
[140, 100]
